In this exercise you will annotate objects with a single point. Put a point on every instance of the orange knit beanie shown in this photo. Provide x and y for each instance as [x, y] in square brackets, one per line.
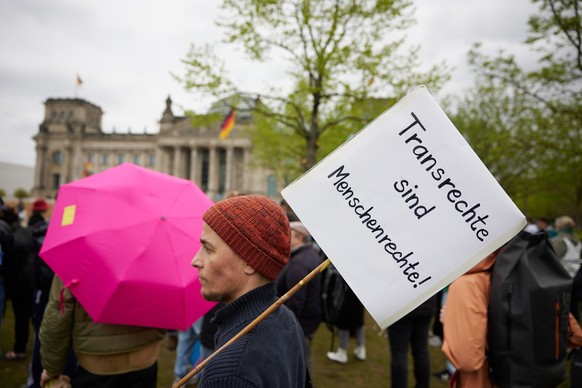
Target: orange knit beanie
[255, 228]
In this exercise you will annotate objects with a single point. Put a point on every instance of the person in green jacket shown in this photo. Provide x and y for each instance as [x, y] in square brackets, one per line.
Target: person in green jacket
[107, 355]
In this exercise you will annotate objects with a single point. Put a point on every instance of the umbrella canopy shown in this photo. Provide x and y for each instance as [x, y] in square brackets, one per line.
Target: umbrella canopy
[122, 241]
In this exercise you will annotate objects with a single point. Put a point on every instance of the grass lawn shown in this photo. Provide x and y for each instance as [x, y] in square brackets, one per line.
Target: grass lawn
[374, 372]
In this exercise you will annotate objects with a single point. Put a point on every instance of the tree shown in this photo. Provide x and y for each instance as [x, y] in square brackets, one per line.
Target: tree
[533, 119]
[339, 56]
[492, 118]
[20, 193]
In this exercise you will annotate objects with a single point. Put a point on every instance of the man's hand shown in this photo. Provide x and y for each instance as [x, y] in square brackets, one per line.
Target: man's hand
[45, 377]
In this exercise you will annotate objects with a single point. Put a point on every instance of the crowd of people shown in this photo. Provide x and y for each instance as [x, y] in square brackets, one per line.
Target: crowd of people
[253, 252]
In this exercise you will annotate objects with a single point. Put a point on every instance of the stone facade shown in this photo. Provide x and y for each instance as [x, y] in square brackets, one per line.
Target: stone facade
[70, 144]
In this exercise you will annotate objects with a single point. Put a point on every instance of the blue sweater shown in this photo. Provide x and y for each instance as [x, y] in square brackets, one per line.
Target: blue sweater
[271, 355]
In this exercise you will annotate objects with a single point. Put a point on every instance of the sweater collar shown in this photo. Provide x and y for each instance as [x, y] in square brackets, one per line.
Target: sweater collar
[246, 308]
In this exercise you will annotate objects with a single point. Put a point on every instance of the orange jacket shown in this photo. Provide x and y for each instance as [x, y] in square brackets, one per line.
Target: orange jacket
[574, 333]
[465, 325]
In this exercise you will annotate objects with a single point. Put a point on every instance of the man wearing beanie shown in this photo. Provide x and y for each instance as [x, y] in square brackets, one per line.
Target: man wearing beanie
[245, 243]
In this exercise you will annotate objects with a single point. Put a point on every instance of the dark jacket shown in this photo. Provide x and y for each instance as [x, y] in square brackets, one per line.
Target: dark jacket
[19, 264]
[306, 303]
[351, 314]
[43, 274]
[271, 355]
[6, 240]
[428, 308]
[35, 218]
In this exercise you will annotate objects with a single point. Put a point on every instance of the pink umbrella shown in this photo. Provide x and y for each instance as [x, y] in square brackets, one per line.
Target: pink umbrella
[122, 241]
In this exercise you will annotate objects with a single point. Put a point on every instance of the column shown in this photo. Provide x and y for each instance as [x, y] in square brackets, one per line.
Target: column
[194, 173]
[245, 177]
[213, 173]
[39, 175]
[230, 169]
[66, 166]
[177, 163]
[159, 166]
[167, 156]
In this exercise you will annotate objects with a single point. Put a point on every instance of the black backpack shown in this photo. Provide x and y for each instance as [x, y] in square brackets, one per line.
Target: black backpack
[333, 293]
[528, 314]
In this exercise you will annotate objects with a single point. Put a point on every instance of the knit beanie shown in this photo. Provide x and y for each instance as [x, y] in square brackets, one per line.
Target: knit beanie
[256, 228]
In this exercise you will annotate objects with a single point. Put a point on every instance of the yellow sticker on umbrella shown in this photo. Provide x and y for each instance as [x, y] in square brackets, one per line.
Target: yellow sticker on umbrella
[69, 215]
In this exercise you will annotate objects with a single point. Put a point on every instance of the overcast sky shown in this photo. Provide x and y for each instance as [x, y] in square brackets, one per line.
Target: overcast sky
[125, 52]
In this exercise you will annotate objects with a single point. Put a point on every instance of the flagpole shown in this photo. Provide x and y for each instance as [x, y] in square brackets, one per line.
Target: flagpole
[78, 86]
[256, 321]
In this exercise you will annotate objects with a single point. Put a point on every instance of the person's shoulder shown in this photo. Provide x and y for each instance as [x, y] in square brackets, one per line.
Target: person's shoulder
[308, 254]
[23, 235]
[469, 281]
[279, 326]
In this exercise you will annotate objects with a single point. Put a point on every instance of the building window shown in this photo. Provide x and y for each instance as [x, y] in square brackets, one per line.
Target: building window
[120, 158]
[136, 159]
[105, 159]
[151, 160]
[271, 186]
[56, 181]
[58, 157]
[90, 156]
[205, 164]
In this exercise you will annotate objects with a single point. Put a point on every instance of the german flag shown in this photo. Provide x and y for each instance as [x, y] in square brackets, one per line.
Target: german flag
[227, 126]
[87, 169]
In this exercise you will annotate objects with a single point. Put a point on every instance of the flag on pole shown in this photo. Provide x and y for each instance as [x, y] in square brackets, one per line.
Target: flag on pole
[227, 125]
[87, 169]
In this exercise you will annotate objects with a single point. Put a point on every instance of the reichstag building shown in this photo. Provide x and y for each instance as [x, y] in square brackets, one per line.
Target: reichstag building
[70, 144]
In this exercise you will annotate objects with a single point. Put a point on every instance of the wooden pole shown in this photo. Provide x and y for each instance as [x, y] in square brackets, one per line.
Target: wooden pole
[256, 321]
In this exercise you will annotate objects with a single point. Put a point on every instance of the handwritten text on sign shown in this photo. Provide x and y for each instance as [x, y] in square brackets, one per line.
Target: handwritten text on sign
[404, 207]
[454, 195]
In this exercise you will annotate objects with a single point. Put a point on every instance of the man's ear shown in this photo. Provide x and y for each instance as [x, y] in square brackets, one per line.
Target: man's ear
[249, 270]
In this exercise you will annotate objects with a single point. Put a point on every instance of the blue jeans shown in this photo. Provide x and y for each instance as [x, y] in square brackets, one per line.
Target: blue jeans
[186, 342]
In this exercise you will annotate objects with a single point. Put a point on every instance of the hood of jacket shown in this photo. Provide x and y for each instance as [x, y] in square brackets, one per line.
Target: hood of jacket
[485, 264]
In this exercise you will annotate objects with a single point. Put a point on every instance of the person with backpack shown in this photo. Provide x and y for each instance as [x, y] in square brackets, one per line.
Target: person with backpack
[507, 320]
[349, 321]
[568, 248]
[465, 326]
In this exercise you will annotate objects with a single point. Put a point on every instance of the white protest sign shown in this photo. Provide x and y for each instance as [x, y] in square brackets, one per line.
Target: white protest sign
[404, 207]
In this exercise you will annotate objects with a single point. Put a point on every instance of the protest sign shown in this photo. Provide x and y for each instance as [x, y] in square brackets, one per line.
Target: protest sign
[404, 207]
